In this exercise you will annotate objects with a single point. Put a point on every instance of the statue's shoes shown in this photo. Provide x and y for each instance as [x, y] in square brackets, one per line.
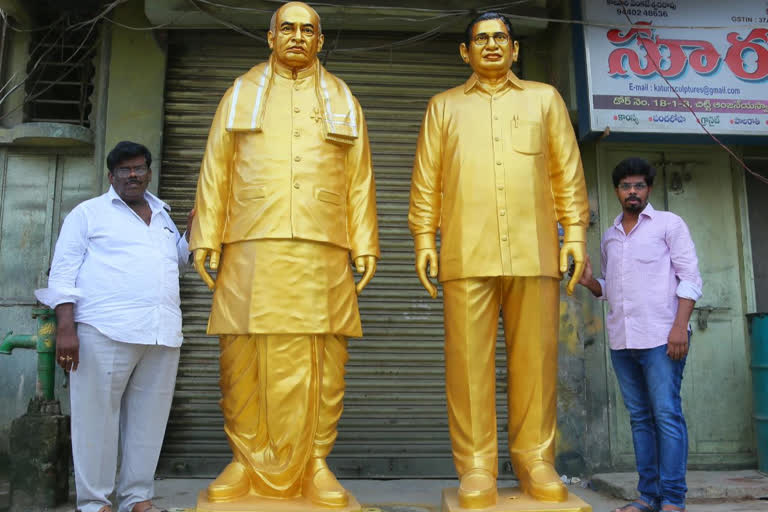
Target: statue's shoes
[231, 484]
[321, 487]
[477, 489]
[539, 480]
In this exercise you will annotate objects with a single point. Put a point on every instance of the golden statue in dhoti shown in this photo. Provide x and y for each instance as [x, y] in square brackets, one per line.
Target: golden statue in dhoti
[497, 167]
[285, 196]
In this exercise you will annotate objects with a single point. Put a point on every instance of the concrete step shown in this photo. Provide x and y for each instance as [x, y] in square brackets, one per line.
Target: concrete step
[702, 485]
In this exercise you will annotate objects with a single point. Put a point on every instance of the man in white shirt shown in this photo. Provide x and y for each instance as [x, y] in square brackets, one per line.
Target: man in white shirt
[114, 284]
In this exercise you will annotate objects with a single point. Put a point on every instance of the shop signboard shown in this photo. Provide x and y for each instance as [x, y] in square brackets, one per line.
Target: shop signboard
[649, 63]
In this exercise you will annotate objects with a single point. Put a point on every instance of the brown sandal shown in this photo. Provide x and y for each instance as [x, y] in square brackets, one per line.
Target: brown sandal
[638, 505]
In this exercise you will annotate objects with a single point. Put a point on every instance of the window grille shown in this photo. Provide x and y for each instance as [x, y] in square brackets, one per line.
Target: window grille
[60, 76]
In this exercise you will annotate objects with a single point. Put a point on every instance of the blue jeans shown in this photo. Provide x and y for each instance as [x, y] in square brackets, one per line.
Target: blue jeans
[650, 384]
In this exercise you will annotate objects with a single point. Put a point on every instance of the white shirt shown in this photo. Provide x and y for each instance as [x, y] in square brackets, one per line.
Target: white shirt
[121, 274]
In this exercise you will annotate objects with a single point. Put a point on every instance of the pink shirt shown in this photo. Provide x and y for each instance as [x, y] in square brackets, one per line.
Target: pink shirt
[645, 272]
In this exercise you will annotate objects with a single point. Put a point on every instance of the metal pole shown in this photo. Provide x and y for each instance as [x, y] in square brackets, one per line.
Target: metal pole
[46, 351]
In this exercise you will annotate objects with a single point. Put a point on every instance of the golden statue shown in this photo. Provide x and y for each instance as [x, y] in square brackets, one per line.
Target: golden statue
[285, 195]
[497, 167]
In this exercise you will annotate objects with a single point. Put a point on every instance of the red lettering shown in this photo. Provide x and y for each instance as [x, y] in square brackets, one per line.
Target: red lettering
[618, 57]
[616, 37]
[672, 56]
[734, 58]
[703, 59]
[677, 60]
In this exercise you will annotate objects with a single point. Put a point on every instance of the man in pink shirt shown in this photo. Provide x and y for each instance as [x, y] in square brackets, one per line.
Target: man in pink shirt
[651, 282]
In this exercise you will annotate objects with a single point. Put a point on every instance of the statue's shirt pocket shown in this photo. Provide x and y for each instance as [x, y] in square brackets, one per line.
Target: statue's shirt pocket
[525, 136]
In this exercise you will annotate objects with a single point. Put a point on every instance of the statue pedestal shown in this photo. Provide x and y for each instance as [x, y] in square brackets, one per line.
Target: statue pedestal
[252, 503]
[512, 499]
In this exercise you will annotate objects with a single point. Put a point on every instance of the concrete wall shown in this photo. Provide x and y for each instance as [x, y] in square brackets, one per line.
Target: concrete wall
[134, 97]
[596, 439]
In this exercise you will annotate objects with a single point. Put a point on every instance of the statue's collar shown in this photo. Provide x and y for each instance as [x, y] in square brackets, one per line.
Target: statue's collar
[288, 73]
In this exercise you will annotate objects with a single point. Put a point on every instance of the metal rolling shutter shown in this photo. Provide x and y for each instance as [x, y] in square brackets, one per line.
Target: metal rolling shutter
[394, 422]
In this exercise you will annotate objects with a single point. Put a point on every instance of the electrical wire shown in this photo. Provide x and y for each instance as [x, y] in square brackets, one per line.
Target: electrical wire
[34, 66]
[235, 8]
[4, 16]
[69, 27]
[657, 67]
[425, 36]
[629, 25]
[153, 27]
[440, 13]
[236, 28]
[58, 79]
[327, 4]
[457, 12]
[107, 9]
[98, 17]
[31, 72]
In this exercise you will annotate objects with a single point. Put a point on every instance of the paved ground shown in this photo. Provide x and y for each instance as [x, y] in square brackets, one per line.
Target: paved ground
[424, 495]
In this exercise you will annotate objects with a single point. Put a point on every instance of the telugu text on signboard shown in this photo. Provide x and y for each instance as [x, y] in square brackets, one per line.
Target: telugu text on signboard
[708, 56]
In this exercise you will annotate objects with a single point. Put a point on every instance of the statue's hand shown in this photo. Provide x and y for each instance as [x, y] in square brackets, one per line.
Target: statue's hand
[577, 251]
[427, 258]
[365, 265]
[199, 261]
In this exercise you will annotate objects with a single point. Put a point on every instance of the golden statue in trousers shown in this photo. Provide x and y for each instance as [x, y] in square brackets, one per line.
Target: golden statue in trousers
[497, 167]
[285, 195]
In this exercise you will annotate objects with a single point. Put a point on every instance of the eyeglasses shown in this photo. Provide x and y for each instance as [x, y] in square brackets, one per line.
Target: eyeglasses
[482, 39]
[124, 172]
[640, 185]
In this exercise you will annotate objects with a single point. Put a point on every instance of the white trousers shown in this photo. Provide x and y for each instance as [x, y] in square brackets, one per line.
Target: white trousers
[120, 393]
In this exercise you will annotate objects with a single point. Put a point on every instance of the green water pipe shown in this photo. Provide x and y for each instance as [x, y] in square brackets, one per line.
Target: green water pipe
[45, 344]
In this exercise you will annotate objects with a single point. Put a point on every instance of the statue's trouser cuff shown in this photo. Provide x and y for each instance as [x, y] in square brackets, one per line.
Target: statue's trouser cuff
[334, 359]
[281, 400]
[530, 309]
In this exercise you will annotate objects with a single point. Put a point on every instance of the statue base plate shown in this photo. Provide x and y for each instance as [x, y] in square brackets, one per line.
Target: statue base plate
[512, 499]
[253, 503]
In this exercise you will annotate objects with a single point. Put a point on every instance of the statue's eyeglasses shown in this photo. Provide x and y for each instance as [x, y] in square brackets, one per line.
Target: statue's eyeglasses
[483, 39]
